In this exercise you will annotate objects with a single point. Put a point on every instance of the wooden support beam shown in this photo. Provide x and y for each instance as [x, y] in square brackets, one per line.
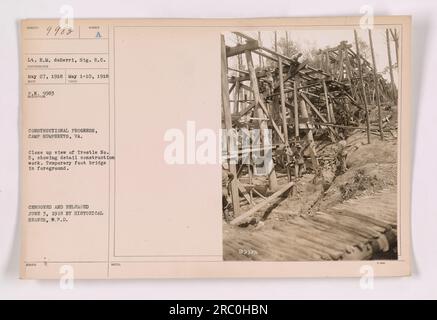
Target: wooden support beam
[327, 67]
[246, 77]
[331, 110]
[340, 63]
[286, 38]
[236, 97]
[339, 126]
[274, 125]
[296, 122]
[238, 70]
[241, 48]
[261, 111]
[243, 86]
[260, 59]
[276, 54]
[396, 40]
[284, 113]
[232, 88]
[328, 109]
[309, 136]
[257, 96]
[317, 112]
[390, 65]
[244, 111]
[244, 192]
[375, 82]
[350, 75]
[242, 217]
[264, 55]
[276, 41]
[228, 124]
[292, 75]
[360, 72]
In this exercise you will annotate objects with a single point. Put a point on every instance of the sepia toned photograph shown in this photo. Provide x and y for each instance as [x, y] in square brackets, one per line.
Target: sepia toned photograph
[310, 144]
[306, 122]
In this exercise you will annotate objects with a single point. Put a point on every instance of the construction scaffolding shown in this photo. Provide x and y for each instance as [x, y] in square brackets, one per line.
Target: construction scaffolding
[301, 103]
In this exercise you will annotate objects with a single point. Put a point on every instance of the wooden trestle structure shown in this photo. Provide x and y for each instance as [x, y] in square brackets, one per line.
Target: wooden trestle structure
[299, 103]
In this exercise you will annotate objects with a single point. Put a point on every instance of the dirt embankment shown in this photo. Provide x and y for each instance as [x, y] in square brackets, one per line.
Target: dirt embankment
[370, 168]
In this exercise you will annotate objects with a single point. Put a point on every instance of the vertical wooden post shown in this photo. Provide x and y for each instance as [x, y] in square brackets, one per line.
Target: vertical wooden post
[327, 62]
[360, 72]
[286, 42]
[283, 112]
[392, 82]
[350, 74]
[396, 40]
[260, 58]
[397, 46]
[296, 123]
[328, 109]
[276, 41]
[321, 62]
[237, 97]
[239, 67]
[310, 138]
[375, 82]
[259, 112]
[341, 61]
[249, 171]
[228, 125]
[331, 110]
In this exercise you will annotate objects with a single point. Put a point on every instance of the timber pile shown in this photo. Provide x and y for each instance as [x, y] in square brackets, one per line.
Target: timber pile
[345, 232]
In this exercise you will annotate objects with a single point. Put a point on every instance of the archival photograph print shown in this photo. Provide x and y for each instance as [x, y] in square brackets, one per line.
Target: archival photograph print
[310, 144]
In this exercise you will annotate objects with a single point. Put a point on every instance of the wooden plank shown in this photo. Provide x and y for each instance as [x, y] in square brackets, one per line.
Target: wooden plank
[243, 191]
[332, 237]
[276, 54]
[330, 221]
[241, 48]
[238, 70]
[246, 77]
[357, 223]
[359, 216]
[262, 204]
[303, 239]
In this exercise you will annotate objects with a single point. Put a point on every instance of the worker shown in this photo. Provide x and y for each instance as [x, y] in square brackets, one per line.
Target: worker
[341, 157]
[299, 159]
[227, 177]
